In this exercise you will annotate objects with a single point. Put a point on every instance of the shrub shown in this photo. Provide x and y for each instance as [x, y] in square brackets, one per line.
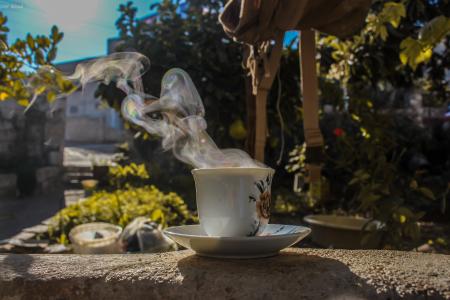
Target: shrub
[128, 175]
[371, 169]
[120, 207]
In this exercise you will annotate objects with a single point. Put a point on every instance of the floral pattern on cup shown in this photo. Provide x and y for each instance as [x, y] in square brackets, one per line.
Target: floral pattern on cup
[262, 202]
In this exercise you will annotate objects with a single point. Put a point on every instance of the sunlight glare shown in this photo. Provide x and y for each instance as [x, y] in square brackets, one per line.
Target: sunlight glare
[69, 15]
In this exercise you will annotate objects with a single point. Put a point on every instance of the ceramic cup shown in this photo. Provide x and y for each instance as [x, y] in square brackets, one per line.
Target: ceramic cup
[233, 201]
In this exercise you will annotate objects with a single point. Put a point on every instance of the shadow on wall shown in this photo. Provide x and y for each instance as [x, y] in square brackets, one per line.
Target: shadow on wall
[18, 267]
[288, 276]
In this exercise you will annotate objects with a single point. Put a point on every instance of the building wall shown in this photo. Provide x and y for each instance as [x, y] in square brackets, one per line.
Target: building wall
[91, 130]
[87, 120]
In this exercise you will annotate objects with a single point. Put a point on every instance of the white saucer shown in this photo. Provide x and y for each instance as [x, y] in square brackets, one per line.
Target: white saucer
[274, 238]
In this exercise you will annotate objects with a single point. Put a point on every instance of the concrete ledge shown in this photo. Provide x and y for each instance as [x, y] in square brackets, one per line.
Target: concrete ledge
[295, 274]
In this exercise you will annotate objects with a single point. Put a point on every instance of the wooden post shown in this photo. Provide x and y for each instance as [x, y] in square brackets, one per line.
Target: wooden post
[261, 124]
[309, 84]
[263, 88]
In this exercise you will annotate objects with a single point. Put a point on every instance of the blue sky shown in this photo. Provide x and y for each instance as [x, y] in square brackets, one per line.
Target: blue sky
[86, 24]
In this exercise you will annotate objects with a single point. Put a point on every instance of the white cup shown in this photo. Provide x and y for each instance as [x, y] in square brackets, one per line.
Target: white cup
[233, 201]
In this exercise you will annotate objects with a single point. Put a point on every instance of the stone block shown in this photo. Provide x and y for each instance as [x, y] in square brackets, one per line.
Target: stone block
[46, 173]
[6, 149]
[28, 246]
[8, 135]
[55, 158]
[35, 133]
[48, 178]
[10, 110]
[24, 236]
[6, 125]
[8, 185]
[34, 150]
[37, 229]
[42, 129]
[294, 274]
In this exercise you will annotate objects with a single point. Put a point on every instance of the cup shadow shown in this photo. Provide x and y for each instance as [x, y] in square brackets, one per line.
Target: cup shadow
[286, 276]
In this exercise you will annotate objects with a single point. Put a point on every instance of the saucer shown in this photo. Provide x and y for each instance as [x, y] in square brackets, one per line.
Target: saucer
[274, 238]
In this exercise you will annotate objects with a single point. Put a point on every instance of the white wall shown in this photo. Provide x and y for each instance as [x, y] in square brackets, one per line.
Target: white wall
[88, 122]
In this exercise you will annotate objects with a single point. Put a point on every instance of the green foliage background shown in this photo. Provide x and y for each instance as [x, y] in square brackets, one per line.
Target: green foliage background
[402, 48]
[364, 78]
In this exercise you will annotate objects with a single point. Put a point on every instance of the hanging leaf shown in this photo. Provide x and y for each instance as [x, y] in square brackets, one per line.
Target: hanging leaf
[51, 96]
[51, 55]
[427, 193]
[3, 96]
[435, 30]
[413, 53]
[394, 12]
[237, 130]
[30, 41]
[23, 102]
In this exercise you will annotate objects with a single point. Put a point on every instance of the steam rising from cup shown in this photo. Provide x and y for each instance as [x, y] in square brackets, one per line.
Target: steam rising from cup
[177, 116]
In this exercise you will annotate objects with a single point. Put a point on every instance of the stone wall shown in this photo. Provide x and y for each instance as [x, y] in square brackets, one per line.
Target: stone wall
[12, 126]
[31, 145]
[295, 274]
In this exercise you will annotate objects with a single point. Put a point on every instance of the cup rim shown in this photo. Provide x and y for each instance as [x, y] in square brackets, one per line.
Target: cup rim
[231, 170]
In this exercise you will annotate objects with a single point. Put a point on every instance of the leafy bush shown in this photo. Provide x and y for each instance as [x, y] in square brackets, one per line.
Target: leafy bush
[31, 53]
[378, 165]
[120, 207]
[128, 175]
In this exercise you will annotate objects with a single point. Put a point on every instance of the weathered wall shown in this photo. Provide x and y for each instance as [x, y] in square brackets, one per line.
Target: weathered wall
[12, 124]
[31, 141]
[295, 274]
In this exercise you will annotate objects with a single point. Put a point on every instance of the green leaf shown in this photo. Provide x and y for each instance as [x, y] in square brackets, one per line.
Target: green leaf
[23, 102]
[405, 211]
[3, 19]
[383, 33]
[394, 12]
[353, 181]
[51, 55]
[369, 200]
[419, 215]
[435, 30]
[427, 193]
[59, 37]
[30, 41]
[157, 215]
[54, 32]
[39, 57]
[51, 96]
[413, 52]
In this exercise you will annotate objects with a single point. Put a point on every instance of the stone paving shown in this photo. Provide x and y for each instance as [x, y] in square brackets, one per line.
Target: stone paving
[19, 213]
